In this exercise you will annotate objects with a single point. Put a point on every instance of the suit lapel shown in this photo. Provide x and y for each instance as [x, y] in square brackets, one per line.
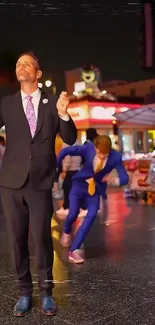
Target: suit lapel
[92, 156]
[41, 111]
[20, 111]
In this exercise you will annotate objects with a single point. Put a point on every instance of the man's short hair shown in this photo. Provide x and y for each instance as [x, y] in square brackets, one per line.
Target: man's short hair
[91, 134]
[103, 144]
[32, 55]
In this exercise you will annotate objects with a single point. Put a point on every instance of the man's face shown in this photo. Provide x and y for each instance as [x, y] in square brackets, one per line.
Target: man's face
[101, 155]
[27, 70]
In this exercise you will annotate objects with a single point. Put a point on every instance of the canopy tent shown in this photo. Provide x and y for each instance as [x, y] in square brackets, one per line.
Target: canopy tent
[145, 115]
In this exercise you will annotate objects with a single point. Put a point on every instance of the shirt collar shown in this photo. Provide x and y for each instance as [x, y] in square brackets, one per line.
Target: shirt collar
[35, 94]
[97, 159]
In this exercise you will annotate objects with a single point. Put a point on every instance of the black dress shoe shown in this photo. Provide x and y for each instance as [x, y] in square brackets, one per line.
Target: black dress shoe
[48, 306]
[23, 306]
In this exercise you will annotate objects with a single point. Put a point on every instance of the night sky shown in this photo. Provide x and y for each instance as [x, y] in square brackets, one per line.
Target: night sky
[106, 36]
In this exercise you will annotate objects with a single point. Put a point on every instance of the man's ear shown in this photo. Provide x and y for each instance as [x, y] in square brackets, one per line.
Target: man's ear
[39, 74]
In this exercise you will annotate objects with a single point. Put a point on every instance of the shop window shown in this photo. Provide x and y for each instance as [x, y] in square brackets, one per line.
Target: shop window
[113, 139]
[140, 141]
[151, 140]
[127, 141]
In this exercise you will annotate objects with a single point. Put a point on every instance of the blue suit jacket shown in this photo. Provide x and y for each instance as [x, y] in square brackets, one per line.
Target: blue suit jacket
[88, 152]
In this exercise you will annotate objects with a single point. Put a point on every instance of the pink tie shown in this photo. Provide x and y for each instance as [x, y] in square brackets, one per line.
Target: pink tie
[30, 114]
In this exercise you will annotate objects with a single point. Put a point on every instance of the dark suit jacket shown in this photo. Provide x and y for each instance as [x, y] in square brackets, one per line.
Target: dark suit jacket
[26, 156]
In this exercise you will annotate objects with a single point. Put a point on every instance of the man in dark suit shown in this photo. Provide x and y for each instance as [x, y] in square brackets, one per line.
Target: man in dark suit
[91, 134]
[32, 120]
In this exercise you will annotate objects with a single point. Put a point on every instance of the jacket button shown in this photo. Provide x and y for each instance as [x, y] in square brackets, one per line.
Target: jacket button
[29, 157]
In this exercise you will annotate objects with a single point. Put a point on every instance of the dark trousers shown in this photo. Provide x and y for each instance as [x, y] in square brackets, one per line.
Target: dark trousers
[24, 208]
[79, 192]
[67, 186]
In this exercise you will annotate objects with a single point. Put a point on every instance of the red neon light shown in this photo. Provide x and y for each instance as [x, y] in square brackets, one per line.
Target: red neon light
[104, 104]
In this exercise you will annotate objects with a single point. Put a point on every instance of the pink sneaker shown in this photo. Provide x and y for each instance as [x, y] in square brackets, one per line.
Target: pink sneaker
[82, 213]
[65, 240]
[75, 257]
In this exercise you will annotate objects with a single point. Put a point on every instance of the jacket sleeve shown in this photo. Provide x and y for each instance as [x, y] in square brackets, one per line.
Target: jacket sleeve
[71, 151]
[65, 128]
[122, 174]
[67, 131]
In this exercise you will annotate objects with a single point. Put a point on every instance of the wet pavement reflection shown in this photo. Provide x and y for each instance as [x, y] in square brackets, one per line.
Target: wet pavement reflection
[115, 285]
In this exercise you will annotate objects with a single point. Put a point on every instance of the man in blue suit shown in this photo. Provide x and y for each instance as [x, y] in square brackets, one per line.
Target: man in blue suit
[90, 183]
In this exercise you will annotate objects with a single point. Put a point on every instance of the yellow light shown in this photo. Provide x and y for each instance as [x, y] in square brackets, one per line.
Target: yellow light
[83, 136]
[89, 90]
[104, 92]
[56, 234]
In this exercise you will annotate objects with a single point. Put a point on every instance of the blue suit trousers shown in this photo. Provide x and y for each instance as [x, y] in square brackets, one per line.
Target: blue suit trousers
[78, 193]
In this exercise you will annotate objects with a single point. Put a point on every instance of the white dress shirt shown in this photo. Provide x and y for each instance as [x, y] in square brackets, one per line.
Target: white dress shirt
[71, 163]
[35, 100]
[97, 161]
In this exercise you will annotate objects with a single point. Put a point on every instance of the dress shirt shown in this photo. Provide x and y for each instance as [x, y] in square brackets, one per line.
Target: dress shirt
[71, 163]
[35, 100]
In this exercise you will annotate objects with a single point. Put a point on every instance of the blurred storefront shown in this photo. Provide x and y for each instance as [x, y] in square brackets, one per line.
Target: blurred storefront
[100, 115]
[94, 105]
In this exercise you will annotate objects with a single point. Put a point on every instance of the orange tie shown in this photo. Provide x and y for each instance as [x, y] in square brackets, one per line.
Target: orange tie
[92, 184]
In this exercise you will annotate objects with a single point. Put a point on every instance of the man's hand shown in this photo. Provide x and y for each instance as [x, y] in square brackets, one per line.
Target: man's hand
[111, 180]
[107, 178]
[62, 104]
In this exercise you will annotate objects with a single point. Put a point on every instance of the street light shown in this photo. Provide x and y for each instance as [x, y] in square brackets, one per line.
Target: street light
[104, 92]
[48, 83]
[40, 85]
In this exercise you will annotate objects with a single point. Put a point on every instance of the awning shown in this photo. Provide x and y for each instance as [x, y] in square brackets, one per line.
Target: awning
[145, 115]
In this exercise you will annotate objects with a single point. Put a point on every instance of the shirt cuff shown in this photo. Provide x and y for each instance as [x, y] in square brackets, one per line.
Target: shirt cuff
[65, 117]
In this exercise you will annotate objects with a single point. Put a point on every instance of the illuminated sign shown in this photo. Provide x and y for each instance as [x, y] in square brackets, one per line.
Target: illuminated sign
[102, 113]
[78, 113]
[79, 86]
[124, 109]
[95, 112]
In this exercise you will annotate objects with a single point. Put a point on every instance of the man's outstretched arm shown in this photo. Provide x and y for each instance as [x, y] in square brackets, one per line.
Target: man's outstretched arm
[71, 151]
